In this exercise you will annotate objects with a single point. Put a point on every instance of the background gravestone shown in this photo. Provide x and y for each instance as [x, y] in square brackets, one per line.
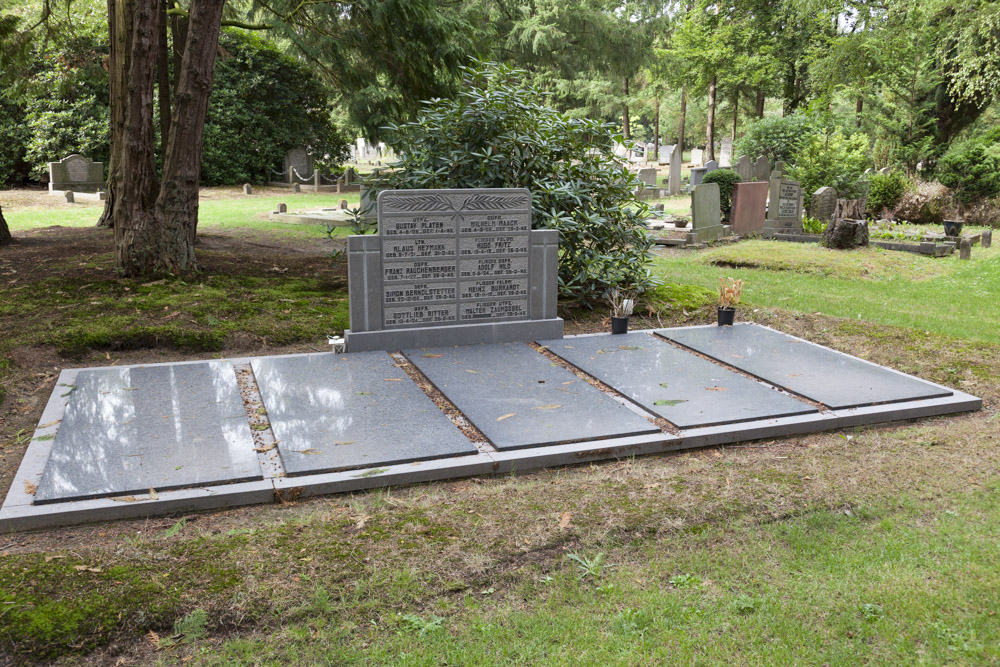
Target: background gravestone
[299, 160]
[749, 208]
[744, 168]
[697, 157]
[674, 182]
[665, 153]
[784, 209]
[726, 153]
[76, 173]
[762, 169]
[706, 214]
[823, 204]
[697, 175]
[648, 177]
[452, 267]
[778, 171]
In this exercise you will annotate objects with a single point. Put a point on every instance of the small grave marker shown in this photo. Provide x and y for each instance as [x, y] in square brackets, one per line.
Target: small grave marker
[823, 204]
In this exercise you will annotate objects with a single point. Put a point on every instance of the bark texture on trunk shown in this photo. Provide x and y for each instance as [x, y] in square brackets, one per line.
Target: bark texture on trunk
[163, 78]
[625, 127]
[710, 129]
[5, 236]
[118, 96]
[656, 134]
[859, 108]
[759, 109]
[177, 205]
[683, 120]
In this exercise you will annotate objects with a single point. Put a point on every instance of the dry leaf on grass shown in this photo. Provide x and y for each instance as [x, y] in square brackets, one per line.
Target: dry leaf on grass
[86, 568]
[564, 520]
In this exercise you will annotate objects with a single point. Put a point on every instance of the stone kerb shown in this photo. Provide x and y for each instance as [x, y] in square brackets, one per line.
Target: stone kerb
[452, 267]
[706, 214]
[76, 173]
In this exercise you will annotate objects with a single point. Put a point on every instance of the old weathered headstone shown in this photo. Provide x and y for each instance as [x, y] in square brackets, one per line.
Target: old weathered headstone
[744, 168]
[706, 214]
[696, 176]
[343, 204]
[784, 209]
[762, 169]
[452, 267]
[749, 208]
[247, 189]
[845, 234]
[711, 166]
[987, 238]
[697, 157]
[965, 249]
[674, 182]
[664, 155]
[296, 187]
[779, 170]
[70, 198]
[648, 177]
[726, 153]
[658, 207]
[282, 208]
[823, 204]
[76, 173]
[298, 164]
[368, 208]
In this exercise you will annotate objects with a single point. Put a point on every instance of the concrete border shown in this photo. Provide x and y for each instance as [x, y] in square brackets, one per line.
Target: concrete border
[18, 513]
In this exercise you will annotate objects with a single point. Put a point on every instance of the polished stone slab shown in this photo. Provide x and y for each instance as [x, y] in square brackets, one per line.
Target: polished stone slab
[829, 377]
[519, 398]
[128, 430]
[684, 389]
[335, 412]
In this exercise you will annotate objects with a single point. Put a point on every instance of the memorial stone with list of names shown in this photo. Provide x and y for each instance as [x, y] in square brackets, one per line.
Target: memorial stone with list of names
[452, 267]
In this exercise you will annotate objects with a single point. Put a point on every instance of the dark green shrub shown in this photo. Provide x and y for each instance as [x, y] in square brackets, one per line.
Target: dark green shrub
[13, 168]
[777, 138]
[886, 192]
[829, 158]
[727, 180]
[972, 168]
[497, 134]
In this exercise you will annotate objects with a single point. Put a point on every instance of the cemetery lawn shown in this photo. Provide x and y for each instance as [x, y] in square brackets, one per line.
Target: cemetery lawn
[874, 545]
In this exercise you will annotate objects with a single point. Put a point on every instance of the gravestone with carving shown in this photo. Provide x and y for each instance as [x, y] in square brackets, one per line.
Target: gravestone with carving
[823, 204]
[298, 164]
[726, 153]
[452, 267]
[76, 173]
[784, 208]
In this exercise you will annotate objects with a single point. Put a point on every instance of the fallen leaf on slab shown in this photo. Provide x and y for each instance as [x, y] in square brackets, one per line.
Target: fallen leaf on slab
[433, 356]
[547, 407]
[310, 451]
[153, 494]
[716, 388]
[265, 448]
[30, 488]
[259, 427]
[506, 416]
[344, 442]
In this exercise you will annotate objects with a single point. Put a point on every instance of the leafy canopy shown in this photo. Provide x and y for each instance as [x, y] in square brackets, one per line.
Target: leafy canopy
[498, 133]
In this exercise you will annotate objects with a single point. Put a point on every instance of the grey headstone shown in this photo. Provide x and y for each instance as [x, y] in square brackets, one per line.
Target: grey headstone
[333, 412]
[296, 187]
[519, 398]
[282, 208]
[684, 389]
[697, 175]
[726, 152]
[247, 189]
[343, 204]
[779, 169]
[711, 166]
[128, 430]
[367, 205]
[706, 213]
[823, 204]
[836, 380]
[648, 177]
[784, 209]
[884, 170]
[674, 186]
[965, 249]
[452, 267]
[299, 160]
[761, 169]
[744, 168]
[987, 238]
[70, 197]
[77, 173]
[658, 207]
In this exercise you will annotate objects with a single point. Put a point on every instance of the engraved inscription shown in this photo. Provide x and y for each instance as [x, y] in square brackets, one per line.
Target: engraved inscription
[420, 315]
[418, 248]
[418, 271]
[482, 224]
[494, 287]
[507, 244]
[493, 267]
[495, 309]
[788, 201]
[76, 169]
[417, 225]
[419, 292]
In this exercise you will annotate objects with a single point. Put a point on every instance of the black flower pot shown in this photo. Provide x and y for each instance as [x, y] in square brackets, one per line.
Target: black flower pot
[952, 227]
[619, 325]
[727, 316]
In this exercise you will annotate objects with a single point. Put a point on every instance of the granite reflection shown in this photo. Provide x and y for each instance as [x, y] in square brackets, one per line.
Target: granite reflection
[127, 430]
[336, 412]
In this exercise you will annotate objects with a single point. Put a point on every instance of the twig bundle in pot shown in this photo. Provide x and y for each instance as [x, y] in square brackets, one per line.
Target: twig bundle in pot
[622, 303]
[730, 291]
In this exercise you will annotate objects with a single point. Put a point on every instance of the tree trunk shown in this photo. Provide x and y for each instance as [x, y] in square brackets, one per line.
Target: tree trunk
[656, 133]
[178, 201]
[760, 103]
[163, 79]
[710, 131]
[736, 112]
[179, 30]
[118, 97]
[625, 127]
[5, 236]
[683, 121]
[134, 26]
[859, 107]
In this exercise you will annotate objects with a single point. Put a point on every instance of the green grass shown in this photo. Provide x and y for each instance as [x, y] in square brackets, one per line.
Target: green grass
[945, 296]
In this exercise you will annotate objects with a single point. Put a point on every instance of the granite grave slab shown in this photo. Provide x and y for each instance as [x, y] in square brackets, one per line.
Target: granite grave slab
[836, 380]
[128, 430]
[519, 398]
[683, 388]
[749, 208]
[335, 412]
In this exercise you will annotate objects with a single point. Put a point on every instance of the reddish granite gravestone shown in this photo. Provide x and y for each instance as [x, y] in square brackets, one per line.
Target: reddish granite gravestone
[749, 208]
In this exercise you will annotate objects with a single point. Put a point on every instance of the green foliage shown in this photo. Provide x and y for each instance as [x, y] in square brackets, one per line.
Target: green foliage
[813, 226]
[972, 168]
[775, 137]
[263, 103]
[13, 168]
[727, 180]
[886, 191]
[829, 158]
[589, 566]
[192, 626]
[498, 133]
